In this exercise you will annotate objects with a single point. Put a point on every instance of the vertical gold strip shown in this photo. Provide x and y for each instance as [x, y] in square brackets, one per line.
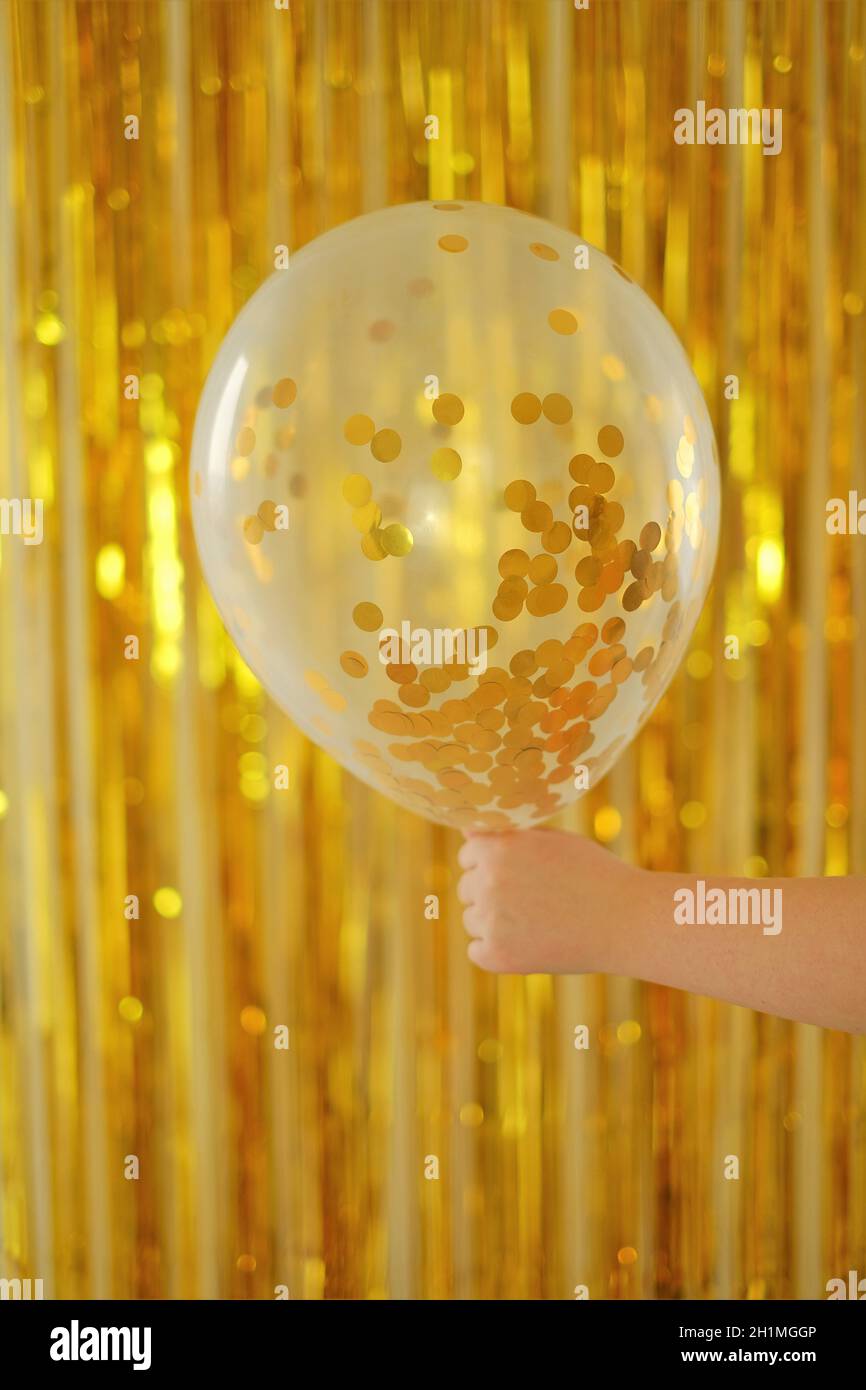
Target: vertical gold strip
[813, 731]
[29, 1232]
[77, 650]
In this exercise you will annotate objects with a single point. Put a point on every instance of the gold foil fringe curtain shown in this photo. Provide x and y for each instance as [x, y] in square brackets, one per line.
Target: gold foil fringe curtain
[302, 1170]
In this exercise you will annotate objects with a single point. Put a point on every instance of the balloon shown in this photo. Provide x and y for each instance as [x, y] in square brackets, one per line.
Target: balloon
[455, 491]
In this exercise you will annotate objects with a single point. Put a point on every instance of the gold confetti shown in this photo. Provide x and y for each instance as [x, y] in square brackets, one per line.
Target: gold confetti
[519, 495]
[601, 477]
[640, 563]
[367, 616]
[513, 562]
[610, 440]
[414, 695]
[546, 599]
[284, 392]
[537, 516]
[364, 518]
[446, 464]
[131, 1010]
[506, 609]
[359, 429]
[633, 597]
[397, 539]
[448, 409]
[357, 489]
[354, 664]
[557, 409]
[542, 569]
[371, 547]
[245, 442]
[588, 570]
[435, 680]
[557, 538]
[267, 515]
[591, 598]
[562, 321]
[685, 457]
[523, 663]
[526, 408]
[580, 467]
[385, 445]
[253, 1021]
[382, 330]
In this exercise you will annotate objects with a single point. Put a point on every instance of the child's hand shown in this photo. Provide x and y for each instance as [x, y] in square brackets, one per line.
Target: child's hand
[548, 902]
[542, 901]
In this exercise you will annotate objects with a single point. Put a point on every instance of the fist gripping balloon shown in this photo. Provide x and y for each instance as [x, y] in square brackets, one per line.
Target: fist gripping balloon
[456, 495]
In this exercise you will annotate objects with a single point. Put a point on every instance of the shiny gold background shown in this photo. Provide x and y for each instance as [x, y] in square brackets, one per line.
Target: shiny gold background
[154, 1037]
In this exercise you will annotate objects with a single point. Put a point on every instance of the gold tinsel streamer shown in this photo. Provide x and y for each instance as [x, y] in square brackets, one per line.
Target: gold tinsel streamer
[154, 1037]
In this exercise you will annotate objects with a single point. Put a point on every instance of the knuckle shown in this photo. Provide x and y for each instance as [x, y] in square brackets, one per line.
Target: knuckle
[473, 922]
[467, 855]
[489, 956]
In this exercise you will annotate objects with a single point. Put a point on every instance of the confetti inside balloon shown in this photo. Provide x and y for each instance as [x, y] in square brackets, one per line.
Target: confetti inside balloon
[456, 495]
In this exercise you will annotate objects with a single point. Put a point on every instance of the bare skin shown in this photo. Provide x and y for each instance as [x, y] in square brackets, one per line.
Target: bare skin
[545, 901]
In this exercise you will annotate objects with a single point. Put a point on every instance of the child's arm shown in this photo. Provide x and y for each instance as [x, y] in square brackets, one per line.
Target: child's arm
[542, 901]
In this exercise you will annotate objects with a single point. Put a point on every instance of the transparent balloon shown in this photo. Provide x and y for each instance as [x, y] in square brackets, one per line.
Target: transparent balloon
[455, 491]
